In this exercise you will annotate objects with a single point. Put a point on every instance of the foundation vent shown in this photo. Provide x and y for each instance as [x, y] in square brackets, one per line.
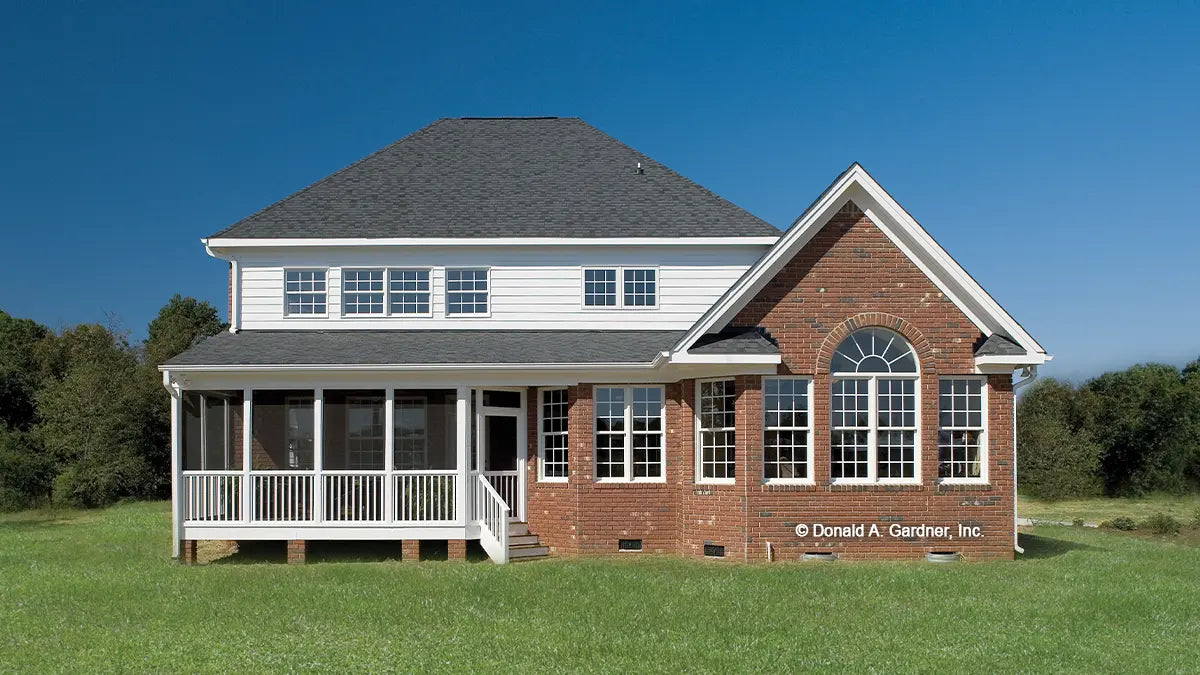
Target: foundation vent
[629, 545]
[714, 551]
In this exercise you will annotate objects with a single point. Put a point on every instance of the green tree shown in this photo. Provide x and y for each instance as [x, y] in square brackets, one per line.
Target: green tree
[1057, 456]
[178, 325]
[22, 342]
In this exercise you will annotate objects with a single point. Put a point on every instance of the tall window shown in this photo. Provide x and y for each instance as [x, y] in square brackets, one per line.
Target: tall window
[961, 454]
[716, 433]
[364, 432]
[873, 419]
[600, 288]
[408, 291]
[786, 429]
[304, 291]
[629, 433]
[362, 292]
[466, 291]
[554, 435]
[641, 288]
[411, 444]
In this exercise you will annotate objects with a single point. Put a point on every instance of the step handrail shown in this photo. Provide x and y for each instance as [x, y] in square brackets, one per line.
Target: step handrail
[493, 520]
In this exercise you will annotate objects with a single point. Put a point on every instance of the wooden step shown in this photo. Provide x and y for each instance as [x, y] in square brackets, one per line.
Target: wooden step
[517, 528]
[527, 551]
[521, 539]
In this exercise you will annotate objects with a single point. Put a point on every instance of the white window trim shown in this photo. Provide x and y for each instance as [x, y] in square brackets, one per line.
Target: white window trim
[541, 435]
[289, 315]
[699, 453]
[342, 302]
[387, 293]
[983, 432]
[873, 427]
[629, 477]
[620, 270]
[446, 291]
[810, 479]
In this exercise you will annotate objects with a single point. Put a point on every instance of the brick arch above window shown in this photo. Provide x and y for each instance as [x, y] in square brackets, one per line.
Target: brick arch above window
[926, 357]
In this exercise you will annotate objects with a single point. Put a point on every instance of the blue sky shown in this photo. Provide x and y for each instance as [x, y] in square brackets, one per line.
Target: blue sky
[1052, 148]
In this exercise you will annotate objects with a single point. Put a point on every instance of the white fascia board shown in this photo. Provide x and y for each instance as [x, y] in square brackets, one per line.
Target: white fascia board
[751, 359]
[227, 243]
[857, 185]
[1012, 360]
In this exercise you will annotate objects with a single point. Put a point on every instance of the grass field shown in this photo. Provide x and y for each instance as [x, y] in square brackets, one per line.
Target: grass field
[96, 592]
[1183, 508]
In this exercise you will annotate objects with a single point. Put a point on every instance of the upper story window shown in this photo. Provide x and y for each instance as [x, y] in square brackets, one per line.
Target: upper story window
[637, 287]
[873, 420]
[715, 446]
[600, 288]
[467, 292]
[962, 450]
[362, 292]
[304, 292]
[409, 291]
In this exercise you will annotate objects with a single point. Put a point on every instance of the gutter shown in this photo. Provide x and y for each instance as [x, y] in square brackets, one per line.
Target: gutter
[1030, 373]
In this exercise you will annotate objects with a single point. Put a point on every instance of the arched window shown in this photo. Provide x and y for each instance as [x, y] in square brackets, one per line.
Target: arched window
[873, 421]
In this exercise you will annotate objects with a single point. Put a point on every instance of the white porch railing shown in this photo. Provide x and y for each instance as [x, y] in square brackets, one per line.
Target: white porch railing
[213, 496]
[421, 498]
[505, 484]
[493, 520]
[425, 496]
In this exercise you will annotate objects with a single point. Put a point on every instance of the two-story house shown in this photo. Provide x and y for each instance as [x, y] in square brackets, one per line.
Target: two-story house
[523, 332]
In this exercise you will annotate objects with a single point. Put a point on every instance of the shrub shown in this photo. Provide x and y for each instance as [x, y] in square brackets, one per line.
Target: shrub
[26, 473]
[1196, 518]
[1123, 523]
[100, 480]
[1162, 523]
[1055, 461]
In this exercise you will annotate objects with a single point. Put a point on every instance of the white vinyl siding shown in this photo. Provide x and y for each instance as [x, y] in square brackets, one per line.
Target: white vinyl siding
[527, 289]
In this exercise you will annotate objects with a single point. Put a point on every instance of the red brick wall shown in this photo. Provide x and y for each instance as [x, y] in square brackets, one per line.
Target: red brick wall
[849, 276]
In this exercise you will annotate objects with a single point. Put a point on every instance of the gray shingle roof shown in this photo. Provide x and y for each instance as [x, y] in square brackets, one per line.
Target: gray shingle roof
[502, 177]
[411, 347]
[735, 341]
[999, 345]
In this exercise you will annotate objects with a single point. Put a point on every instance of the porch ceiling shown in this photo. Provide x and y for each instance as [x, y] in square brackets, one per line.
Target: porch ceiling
[416, 347]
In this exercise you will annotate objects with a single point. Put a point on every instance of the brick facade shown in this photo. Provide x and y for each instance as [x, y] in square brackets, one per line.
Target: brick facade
[848, 276]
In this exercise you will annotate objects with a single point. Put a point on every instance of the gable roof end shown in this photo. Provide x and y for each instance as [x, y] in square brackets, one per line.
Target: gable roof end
[855, 184]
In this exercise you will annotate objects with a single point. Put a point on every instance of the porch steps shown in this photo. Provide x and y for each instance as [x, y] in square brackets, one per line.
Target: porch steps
[523, 545]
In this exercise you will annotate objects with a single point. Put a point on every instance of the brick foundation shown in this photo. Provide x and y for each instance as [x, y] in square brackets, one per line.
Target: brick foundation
[297, 551]
[187, 553]
[410, 550]
[456, 549]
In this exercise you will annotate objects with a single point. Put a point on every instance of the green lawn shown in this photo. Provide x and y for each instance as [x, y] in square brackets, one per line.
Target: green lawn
[96, 592]
[1183, 508]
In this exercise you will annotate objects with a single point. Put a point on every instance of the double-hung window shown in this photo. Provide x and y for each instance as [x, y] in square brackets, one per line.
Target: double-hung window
[304, 292]
[553, 429]
[466, 292]
[408, 292]
[629, 433]
[620, 287]
[716, 437]
[787, 430]
[362, 292]
[873, 415]
[962, 454]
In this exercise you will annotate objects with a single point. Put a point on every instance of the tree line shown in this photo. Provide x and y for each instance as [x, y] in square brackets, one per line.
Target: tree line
[1122, 434]
[84, 418]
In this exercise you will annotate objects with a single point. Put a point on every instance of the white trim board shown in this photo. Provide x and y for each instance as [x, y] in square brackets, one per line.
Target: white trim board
[856, 185]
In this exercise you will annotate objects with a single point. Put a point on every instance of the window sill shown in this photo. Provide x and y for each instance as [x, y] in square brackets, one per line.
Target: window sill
[554, 481]
[619, 482]
[789, 481]
[965, 484]
[716, 481]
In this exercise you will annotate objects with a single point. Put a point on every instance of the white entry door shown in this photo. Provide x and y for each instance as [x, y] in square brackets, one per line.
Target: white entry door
[500, 438]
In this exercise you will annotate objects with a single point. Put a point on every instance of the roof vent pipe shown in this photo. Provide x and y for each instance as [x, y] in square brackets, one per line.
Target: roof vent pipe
[639, 169]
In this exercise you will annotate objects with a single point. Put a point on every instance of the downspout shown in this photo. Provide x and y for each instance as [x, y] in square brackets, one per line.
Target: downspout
[1030, 374]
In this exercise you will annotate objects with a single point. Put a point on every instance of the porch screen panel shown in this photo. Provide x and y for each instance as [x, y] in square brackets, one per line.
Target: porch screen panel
[283, 430]
[212, 430]
[354, 431]
[426, 430]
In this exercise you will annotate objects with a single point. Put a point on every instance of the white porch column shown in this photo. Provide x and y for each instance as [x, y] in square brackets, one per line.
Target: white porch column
[318, 512]
[389, 465]
[464, 486]
[247, 452]
[176, 471]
